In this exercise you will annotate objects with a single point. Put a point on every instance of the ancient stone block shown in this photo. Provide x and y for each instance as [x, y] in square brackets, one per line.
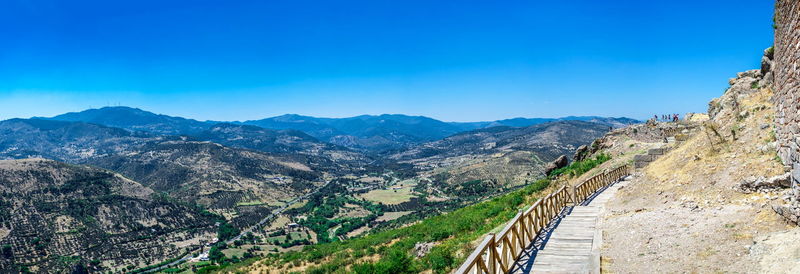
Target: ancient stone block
[643, 158]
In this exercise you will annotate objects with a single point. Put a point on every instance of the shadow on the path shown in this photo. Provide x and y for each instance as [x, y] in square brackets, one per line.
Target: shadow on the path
[525, 262]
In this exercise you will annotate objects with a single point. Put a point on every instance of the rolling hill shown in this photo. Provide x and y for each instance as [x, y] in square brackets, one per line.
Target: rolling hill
[65, 141]
[136, 120]
[497, 157]
[193, 171]
[56, 216]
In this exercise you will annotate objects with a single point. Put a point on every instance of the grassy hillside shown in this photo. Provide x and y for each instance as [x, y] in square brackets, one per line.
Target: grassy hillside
[390, 251]
[452, 236]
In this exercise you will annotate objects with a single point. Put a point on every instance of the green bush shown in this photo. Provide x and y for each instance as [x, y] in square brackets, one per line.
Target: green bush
[453, 232]
[580, 167]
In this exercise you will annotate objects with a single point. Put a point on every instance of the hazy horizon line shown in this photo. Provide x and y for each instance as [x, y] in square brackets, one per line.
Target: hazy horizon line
[319, 117]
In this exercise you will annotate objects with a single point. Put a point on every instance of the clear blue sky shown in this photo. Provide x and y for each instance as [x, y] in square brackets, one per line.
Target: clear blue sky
[451, 60]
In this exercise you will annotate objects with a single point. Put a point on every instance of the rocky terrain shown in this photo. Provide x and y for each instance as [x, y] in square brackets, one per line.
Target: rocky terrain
[708, 202]
[57, 216]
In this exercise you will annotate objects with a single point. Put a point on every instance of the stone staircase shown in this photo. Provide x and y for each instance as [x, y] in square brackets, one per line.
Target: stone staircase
[642, 160]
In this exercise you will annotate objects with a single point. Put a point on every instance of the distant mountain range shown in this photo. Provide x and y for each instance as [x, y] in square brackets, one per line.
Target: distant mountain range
[549, 140]
[504, 156]
[115, 178]
[195, 170]
[219, 164]
[370, 133]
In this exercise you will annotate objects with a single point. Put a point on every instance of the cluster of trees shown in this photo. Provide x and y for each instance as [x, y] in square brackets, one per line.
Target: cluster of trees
[289, 240]
[7, 251]
[218, 260]
[453, 231]
[471, 188]
[247, 238]
[226, 231]
[323, 206]
[279, 232]
[319, 218]
[290, 243]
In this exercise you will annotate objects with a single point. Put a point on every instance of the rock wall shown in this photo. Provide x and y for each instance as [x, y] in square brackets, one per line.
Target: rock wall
[787, 95]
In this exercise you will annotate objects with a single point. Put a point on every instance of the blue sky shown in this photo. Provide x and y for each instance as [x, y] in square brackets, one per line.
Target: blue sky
[450, 60]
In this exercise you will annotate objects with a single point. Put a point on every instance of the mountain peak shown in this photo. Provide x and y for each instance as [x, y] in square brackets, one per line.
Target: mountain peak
[134, 119]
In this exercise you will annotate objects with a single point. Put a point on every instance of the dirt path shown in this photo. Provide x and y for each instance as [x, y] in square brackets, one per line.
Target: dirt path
[648, 230]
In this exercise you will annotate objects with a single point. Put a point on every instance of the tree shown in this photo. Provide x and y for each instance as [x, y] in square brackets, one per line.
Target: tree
[79, 269]
[227, 231]
[216, 255]
[7, 252]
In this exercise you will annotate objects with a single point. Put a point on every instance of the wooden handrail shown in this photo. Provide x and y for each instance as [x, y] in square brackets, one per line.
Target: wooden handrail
[498, 252]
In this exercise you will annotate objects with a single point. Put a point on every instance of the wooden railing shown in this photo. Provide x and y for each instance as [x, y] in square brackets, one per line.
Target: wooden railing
[497, 253]
[585, 190]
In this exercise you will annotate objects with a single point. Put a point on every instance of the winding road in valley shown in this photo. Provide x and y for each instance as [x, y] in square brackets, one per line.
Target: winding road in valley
[247, 230]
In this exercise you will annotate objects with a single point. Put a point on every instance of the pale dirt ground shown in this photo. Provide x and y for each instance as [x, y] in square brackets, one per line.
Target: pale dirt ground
[681, 213]
[279, 222]
[351, 211]
[388, 216]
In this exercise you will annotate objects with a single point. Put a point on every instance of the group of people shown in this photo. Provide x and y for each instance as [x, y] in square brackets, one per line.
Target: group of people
[667, 117]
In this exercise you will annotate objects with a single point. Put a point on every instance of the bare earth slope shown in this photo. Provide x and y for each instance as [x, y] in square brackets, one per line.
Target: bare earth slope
[685, 212]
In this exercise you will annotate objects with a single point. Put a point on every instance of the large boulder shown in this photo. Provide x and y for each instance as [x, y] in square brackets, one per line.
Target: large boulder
[581, 153]
[761, 184]
[559, 162]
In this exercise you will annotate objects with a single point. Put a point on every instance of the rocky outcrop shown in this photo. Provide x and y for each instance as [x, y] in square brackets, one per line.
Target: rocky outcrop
[559, 162]
[744, 84]
[581, 153]
[762, 184]
[422, 249]
[790, 212]
[650, 132]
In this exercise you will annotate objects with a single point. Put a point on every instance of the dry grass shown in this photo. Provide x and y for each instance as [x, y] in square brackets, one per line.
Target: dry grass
[682, 213]
[396, 194]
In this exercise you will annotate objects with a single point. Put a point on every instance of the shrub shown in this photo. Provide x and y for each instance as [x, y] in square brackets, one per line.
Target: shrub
[453, 231]
[6, 250]
[580, 167]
